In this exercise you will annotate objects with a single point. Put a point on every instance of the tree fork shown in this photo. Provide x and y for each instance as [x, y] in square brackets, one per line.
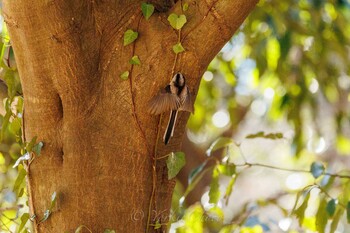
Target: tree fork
[70, 55]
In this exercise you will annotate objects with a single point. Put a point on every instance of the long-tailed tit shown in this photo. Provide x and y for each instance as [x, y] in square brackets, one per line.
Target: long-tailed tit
[174, 97]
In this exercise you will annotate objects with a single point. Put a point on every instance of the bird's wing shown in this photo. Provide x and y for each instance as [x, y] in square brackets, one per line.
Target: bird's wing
[186, 100]
[163, 102]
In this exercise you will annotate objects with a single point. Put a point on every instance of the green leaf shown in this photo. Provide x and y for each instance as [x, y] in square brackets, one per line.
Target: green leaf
[177, 21]
[214, 191]
[174, 163]
[53, 201]
[24, 220]
[317, 169]
[130, 36]
[135, 60]
[331, 205]
[218, 144]
[125, 75]
[348, 212]
[229, 188]
[147, 10]
[109, 231]
[157, 225]
[227, 169]
[261, 134]
[185, 7]
[321, 216]
[47, 214]
[20, 178]
[300, 212]
[31, 144]
[178, 48]
[37, 148]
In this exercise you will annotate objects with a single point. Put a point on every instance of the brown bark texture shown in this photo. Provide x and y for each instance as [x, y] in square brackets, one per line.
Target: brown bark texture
[99, 140]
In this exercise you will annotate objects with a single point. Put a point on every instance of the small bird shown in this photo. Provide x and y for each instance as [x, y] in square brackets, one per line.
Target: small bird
[174, 97]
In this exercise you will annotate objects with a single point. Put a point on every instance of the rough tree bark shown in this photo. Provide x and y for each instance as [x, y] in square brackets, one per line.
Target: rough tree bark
[99, 138]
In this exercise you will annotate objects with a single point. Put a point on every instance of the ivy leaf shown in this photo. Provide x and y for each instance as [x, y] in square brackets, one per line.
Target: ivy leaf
[185, 7]
[147, 10]
[300, 212]
[214, 192]
[218, 144]
[174, 163]
[24, 220]
[177, 21]
[157, 225]
[317, 169]
[31, 144]
[125, 75]
[178, 48]
[37, 148]
[331, 205]
[24, 157]
[130, 36]
[135, 60]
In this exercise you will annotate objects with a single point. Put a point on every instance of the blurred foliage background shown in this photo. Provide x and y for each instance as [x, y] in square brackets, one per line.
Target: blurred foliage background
[268, 148]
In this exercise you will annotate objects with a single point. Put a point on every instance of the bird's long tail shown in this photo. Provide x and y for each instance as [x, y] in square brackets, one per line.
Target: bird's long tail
[171, 126]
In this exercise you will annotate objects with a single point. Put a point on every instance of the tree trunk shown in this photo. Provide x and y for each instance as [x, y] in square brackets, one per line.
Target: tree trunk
[99, 140]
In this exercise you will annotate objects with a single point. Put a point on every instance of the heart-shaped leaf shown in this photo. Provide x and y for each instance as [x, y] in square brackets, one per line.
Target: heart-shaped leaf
[147, 10]
[177, 21]
[178, 48]
[135, 60]
[130, 36]
[125, 75]
[174, 163]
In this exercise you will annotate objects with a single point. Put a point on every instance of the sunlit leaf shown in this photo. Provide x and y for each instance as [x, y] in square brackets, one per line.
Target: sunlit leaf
[300, 212]
[229, 188]
[20, 179]
[272, 136]
[135, 60]
[24, 220]
[47, 214]
[317, 169]
[214, 191]
[130, 36]
[124, 75]
[174, 163]
[178, 48]
[109, 231]
[321, 216]
[228, 169]
[147, 10]
[80, 229]
[221, 142]
[177, 21]
[192, 220]
[157, 225]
